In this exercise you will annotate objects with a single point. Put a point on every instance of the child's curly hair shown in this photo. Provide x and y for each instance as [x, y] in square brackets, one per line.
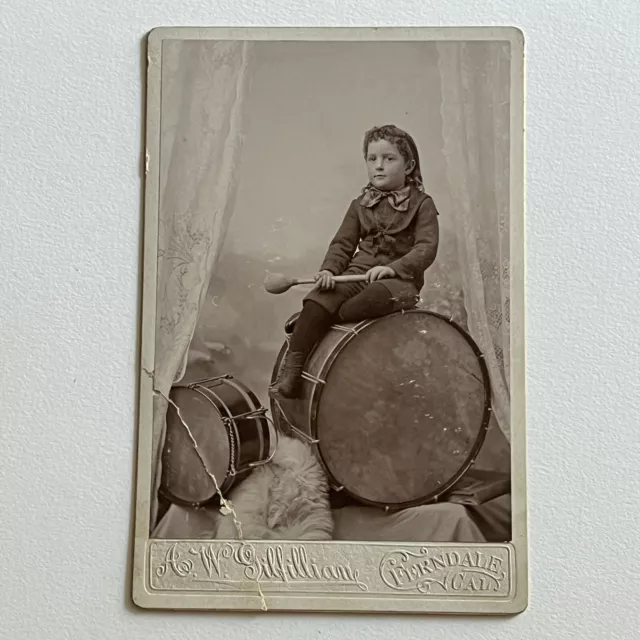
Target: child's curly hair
[406, 146]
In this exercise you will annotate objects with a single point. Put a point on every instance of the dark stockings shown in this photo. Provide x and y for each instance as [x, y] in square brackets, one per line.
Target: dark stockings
[312, 323]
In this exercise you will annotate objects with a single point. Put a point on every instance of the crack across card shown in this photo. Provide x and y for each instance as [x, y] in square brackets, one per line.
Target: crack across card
[227, 506]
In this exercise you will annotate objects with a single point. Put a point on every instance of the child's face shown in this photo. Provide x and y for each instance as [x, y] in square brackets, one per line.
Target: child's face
[386, 166]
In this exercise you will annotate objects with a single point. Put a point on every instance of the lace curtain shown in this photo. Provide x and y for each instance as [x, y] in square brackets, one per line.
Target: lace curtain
[203, 96]
[475, 129]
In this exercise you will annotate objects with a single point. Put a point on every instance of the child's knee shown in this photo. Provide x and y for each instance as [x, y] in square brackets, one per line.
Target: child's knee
[403, 295]
[329, 300]
[405, 302]
[373, 302]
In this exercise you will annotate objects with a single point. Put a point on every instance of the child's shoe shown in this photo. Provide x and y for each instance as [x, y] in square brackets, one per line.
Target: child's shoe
[288, 383]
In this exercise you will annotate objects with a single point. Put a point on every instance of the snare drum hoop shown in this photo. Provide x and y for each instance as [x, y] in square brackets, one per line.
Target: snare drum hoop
[316, 394]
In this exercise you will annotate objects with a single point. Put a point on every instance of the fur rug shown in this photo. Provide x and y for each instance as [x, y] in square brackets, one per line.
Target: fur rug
[286, 499]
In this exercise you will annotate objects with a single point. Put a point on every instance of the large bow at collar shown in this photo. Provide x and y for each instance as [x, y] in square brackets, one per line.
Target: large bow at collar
[399, 200]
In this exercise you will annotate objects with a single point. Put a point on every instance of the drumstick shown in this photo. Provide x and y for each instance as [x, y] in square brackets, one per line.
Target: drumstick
[279, 283]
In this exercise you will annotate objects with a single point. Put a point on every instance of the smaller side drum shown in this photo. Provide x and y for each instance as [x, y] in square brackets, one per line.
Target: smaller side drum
[216, 433]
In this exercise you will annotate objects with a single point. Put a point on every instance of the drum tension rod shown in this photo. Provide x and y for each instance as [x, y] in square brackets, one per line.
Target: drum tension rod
[310, 378]
[295, 429]
[256, 413]
[339, 327]
[303, 435]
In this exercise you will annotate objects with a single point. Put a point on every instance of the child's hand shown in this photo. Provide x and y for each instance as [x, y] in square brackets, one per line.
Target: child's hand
[377, 273]
[324, 280]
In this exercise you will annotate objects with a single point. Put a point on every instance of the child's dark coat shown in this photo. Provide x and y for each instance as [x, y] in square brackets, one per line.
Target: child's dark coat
[409, 246]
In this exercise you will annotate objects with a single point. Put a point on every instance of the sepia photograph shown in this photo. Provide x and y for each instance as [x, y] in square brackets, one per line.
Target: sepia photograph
[332, 391]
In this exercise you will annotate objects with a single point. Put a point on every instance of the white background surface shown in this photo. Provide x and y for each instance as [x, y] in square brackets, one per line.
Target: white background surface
[71, 74]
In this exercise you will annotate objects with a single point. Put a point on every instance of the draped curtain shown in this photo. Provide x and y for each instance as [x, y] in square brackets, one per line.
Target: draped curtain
[203, 98]
[475, 130]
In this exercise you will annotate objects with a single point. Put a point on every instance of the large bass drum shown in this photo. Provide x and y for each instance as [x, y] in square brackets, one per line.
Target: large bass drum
[396, 408]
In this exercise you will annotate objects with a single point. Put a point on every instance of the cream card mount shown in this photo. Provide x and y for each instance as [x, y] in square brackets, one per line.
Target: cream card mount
[332, 390]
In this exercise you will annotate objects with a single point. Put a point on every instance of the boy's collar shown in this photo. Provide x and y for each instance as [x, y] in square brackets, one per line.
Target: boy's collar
[398, 199]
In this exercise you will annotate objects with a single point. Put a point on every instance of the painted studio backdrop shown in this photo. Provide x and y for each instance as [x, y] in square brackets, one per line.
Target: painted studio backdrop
[261, 153]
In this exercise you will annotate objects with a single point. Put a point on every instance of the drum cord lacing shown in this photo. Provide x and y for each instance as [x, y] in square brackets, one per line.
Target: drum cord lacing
[228, 423]
[249, 415]
[311, 378]
[303, 435]
[340, 327]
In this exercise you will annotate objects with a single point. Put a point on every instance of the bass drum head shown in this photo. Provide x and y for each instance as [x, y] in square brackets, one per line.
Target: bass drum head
[404, 410]
[184, 477]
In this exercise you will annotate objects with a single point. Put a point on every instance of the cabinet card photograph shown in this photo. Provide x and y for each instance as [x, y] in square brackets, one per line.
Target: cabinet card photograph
[332, 391]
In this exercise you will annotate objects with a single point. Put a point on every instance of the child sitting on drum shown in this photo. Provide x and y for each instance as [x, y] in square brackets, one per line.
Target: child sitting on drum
[389, 233]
